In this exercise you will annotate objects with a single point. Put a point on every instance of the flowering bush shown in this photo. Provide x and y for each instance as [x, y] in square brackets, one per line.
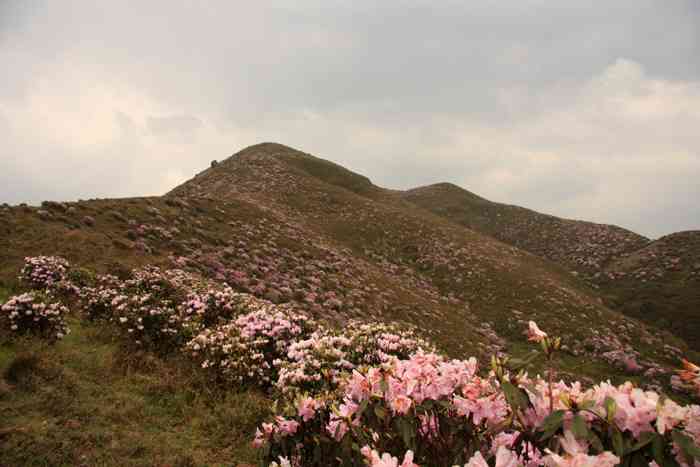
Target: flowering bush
[374, 394]
[250, 348]
[211, 307]
[31, 313]
[427, 410]
[97, 300]
[320, 362]
[146, 307]
[49, 273]
[43, 272]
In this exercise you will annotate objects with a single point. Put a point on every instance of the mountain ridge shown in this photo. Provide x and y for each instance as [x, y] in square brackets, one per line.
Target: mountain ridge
[610, 258]
[290, 227]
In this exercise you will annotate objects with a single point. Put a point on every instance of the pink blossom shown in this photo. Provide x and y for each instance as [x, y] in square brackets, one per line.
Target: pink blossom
[577, 455]
[386, 459]
[534, 333]
[400, 404]
[477, 460]
[307, 408]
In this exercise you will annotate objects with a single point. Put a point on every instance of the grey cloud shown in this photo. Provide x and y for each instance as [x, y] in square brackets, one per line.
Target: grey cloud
[179, 124]
[580, 109]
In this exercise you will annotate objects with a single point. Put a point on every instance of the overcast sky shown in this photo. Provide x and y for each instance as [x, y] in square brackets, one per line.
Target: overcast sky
[583, 109]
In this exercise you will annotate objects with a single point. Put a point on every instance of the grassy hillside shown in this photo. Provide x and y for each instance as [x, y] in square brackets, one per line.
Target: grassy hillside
[579, 246]
[290, 228]
[86, 402]
[660, 284]
[653, 281]
[472, 282]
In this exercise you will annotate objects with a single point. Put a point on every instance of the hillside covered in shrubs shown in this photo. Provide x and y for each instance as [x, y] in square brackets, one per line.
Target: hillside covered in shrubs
[371, 393]
[654, 281]
[355, 327]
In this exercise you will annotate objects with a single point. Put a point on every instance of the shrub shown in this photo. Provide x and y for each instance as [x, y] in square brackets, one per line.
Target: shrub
[250, 348]
[213, 307]
[426, 410]
[98, 301]
[319, 363]
[44, 272]
[33, 313]
[145, 307]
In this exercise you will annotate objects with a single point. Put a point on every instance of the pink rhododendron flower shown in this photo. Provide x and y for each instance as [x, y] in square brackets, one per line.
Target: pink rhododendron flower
[400, 404]
[287, 427]
[337, 428]
[386, 459]
[307, 408]
[534, 333]
[504, 458]
[669, 415]
[477, 460]
[576, 455]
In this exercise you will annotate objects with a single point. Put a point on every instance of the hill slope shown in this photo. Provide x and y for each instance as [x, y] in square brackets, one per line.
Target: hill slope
[580, 246]
[656, 281]
[290, 227]
[475, 280]
[660, 284]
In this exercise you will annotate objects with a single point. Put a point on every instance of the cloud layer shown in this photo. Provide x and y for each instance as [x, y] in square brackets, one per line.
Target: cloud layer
[579, 110]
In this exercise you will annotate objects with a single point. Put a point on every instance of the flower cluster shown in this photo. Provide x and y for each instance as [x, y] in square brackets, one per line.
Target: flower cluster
[427, 410]
[51, 274]
[213, 306]
[375, 393]
[96, 299]
[145, 307]
[31, 313]
[250, 348]
[320, 362]
[44, 272]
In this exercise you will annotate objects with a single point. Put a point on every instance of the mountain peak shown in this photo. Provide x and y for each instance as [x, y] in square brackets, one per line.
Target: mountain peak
[277, 165]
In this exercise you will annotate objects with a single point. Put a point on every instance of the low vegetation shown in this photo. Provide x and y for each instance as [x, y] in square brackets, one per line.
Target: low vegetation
[372, 393]
[653, 281]
[257, 294]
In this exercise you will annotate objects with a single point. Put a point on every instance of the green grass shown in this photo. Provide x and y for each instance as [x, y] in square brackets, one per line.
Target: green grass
[81, 403]
[4, 294]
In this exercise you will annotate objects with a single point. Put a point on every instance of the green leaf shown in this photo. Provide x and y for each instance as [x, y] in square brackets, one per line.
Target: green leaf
[516, 397]
[406, 432]
[595, 441]
[644, 439]
[586, 405]
[379, 412]
[552, 423]
[618, 442]
[637, 459]
[553, 420]
[657, 449]
[689, 449]
[362, 408]
[579, 427]
[610, 408]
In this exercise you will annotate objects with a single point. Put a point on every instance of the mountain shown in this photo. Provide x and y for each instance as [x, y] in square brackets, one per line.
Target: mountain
[583, 247]
[290, 227]
[655, 281]
[660, 284]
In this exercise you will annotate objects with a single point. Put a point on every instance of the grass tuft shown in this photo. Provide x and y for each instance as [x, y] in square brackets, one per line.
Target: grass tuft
[22, 368]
